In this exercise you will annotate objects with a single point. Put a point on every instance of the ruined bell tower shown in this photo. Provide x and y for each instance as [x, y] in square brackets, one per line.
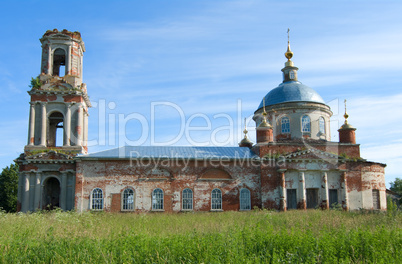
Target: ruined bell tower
[58, 124]
[59, 100]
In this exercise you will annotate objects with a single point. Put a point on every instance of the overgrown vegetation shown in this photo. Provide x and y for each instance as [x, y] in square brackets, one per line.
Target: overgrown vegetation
[35, 83]
[392, 206]
[55, 149]
[396, 186]
[9, 188]
[232, 237]
[344, 155]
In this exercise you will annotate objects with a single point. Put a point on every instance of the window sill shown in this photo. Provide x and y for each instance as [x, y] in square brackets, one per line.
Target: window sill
[216, 210]
[187, 210]
[158, 210]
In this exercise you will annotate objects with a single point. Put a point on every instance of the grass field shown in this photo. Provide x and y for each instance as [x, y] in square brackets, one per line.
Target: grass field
[231, 237]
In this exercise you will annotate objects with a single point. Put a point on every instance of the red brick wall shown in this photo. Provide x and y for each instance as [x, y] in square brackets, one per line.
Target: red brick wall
[269, 184]
[352, 151]
[264, 135]
[116, 202]
[117, 175]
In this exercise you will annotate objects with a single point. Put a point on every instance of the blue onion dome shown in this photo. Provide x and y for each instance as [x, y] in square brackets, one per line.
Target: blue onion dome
[291, 91]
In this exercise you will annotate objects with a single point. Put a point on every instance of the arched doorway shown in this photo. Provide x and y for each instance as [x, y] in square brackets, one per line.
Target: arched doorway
[51, 194]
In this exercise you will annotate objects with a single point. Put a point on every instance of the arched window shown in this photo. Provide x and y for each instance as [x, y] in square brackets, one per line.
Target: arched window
[245, 199]
[321, 124]
[187, 199]
[97, 199]
[59, 62]
[128, 200]
[306, 127]
[55, 137]
[157, 199]
[216, 199]
[285, 125]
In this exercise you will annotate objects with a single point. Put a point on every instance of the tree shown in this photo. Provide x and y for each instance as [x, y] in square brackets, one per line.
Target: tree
[396, 186]
[9, 188]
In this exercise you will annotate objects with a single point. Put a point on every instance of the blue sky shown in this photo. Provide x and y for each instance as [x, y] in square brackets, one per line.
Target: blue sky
[210, 60]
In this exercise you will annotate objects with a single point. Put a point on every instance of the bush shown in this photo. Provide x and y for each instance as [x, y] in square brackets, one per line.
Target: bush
[35, 83]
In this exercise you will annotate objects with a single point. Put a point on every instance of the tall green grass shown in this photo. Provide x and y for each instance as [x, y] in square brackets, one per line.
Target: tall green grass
[230, 237]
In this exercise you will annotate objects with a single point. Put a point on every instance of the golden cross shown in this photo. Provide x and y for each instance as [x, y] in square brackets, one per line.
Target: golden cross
[345, 105]
[245, 128]
[263, 100]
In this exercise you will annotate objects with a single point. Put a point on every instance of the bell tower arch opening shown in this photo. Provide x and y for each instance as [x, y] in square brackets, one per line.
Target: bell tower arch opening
[56, 130]
[59, 62]
[51, 194]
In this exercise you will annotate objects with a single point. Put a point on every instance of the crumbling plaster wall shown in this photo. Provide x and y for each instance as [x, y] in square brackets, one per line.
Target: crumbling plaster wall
[114, 176]
[363, 178]
[37, 174]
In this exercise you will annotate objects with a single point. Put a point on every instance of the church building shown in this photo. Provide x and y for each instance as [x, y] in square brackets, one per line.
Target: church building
[293, 164]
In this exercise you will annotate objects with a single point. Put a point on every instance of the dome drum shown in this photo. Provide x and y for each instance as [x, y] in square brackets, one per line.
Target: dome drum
[295, 110]
[293, 114]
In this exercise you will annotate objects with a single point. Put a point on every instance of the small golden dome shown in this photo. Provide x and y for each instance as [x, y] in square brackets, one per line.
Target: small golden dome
[264, 124]
[288, 53]
[245, 142]
[347, 126]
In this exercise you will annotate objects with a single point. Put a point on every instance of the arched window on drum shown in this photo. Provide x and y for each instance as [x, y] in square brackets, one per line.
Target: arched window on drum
[321, 125]
[285, 125]
[306, 124]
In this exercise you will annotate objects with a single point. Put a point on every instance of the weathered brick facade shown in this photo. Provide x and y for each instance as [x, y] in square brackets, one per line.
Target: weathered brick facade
[292, 166]
[115, 176]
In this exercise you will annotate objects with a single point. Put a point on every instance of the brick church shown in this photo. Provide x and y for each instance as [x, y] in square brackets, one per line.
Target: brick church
[293, 164]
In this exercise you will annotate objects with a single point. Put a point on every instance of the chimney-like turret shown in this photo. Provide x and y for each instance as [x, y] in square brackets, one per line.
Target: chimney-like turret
[264, 130]
[347, 131]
